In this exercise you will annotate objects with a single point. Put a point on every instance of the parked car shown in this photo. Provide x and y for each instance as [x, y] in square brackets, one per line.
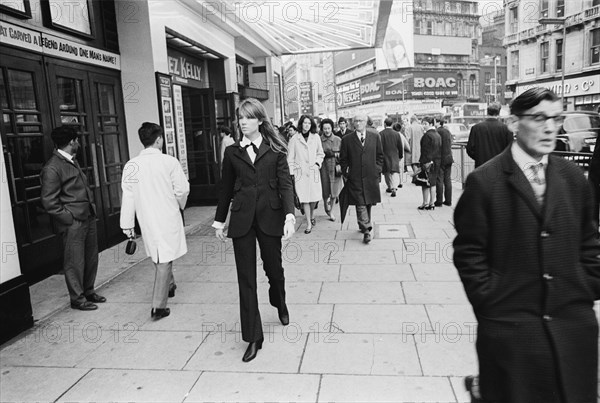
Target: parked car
[578, 132]
[459, 132]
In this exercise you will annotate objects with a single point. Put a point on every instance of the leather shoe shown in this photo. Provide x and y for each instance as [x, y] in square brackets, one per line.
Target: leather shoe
[85, 306]
[438, 204]
[172, 289]
[252, 350]
[284, 315]
[448, 203]
[158, 313]
[367, 237]
[95, 298]
[393, 193]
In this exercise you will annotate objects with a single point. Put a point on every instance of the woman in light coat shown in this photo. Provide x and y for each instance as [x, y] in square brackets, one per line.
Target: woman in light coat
[331, 184]
[305, 157]
[155, 188]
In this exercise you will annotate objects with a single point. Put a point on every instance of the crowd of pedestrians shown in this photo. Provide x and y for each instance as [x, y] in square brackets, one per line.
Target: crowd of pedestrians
[537, 335]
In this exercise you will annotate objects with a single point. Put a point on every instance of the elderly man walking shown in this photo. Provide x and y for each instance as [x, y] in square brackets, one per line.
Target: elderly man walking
[527, 255]
[361, 159]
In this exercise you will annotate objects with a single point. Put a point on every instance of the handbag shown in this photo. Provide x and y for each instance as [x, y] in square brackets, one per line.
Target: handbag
[131, 246]
[422, 178]
[338, 168]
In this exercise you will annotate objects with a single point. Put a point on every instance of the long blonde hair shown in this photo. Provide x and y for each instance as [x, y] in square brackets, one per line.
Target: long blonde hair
[252, 108]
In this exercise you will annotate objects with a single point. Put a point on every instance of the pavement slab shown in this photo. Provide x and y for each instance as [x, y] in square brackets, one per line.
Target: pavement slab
[50, 383]
[446, 292]
[223, 351]
[388, 272]
[132, 386]
[380, 389]
[369, 318]
[366, 354]
[447, 353]
[362, 292]
[254, 387]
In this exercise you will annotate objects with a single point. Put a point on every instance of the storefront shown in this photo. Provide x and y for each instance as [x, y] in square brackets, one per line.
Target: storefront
[581, 93]
[50, 75]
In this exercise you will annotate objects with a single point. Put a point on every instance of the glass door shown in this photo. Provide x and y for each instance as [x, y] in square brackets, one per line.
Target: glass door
[202, 142]
[24, 127]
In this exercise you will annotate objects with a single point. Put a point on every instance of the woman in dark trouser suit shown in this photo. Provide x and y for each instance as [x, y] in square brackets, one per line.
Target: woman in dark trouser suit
[256, 182]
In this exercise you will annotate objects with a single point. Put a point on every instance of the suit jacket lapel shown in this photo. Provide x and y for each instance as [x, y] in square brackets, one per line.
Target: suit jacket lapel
[243, 155]
[262, 150]
[517, 179]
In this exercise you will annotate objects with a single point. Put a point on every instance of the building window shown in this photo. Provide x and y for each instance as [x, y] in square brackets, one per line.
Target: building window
[544, 52]
[595, 3]
[544, 8]
[448, 29]
[417, 27]
[513, 20]
[514, 65]
[595, 49]
[560, 8]
[429, 28]
[488, 79]
[559, 54]
[458, 8]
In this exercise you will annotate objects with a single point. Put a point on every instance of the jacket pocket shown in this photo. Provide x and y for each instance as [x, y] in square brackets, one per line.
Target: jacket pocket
[236, 205]
[273, 183]
[275, 204]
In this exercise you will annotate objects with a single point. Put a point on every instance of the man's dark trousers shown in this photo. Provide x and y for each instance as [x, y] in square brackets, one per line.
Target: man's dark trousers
[443, 185]
[80, 242]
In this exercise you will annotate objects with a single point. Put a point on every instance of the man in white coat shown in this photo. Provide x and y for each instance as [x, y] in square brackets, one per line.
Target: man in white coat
[155, 188]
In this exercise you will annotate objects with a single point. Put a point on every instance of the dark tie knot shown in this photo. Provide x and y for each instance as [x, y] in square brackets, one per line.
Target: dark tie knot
[254, 147]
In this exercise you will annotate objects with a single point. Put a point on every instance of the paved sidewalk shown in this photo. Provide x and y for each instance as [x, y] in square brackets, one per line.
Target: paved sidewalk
[388, 321]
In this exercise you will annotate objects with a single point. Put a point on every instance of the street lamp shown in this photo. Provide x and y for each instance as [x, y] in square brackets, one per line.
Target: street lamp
[404, 77]
[495, 78]
[559, 21]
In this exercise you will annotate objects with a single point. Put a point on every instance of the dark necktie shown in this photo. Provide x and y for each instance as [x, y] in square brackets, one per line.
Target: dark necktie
[362, 139]
[254, 148]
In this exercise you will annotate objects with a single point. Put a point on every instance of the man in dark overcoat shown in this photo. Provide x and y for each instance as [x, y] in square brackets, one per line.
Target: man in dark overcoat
[443, 184]
[488, 138]
[361, 159]
[393, 151]
[527, 255]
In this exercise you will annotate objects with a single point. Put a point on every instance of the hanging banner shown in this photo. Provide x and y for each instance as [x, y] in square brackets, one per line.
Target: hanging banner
[166, 109]
[54, 46]
[180, 128]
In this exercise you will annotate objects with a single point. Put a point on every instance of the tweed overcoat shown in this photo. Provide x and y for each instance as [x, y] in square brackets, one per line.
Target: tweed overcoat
[262, 189]
[488, 139]
[362, 167]
[393, 150]
[532, 274]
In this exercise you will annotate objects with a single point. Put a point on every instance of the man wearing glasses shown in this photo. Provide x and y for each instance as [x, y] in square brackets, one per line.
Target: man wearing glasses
[527, 254]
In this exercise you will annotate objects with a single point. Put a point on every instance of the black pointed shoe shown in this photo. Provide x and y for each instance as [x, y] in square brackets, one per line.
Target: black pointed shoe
[284, 315]
[252, 350]
[172, 289]
[158, 313]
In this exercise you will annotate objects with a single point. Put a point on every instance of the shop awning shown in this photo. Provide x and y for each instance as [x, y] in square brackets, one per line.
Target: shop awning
[306, 26]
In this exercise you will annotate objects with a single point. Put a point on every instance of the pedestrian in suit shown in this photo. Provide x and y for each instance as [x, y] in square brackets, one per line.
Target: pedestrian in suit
[155, 189]
[68, 199]
[305, 157]
[443, 185]
[256, 183]
[488, 138]
[527, 255]
[361, 159]
[414, 134]
[430, 160]
[343, 128]
[331, 181]
[393, 152]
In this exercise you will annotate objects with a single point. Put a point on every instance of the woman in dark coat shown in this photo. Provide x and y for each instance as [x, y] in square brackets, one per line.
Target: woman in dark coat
[330, 183]
[430, 159]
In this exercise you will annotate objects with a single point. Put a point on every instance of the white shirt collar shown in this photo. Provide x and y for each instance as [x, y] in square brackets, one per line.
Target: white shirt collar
[68, 156]
[524, 160]
[245, 141]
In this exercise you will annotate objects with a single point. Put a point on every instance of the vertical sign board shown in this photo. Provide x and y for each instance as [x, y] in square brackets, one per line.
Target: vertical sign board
[165, 101]
[180, 128]
[306, 98]
[9, 268]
